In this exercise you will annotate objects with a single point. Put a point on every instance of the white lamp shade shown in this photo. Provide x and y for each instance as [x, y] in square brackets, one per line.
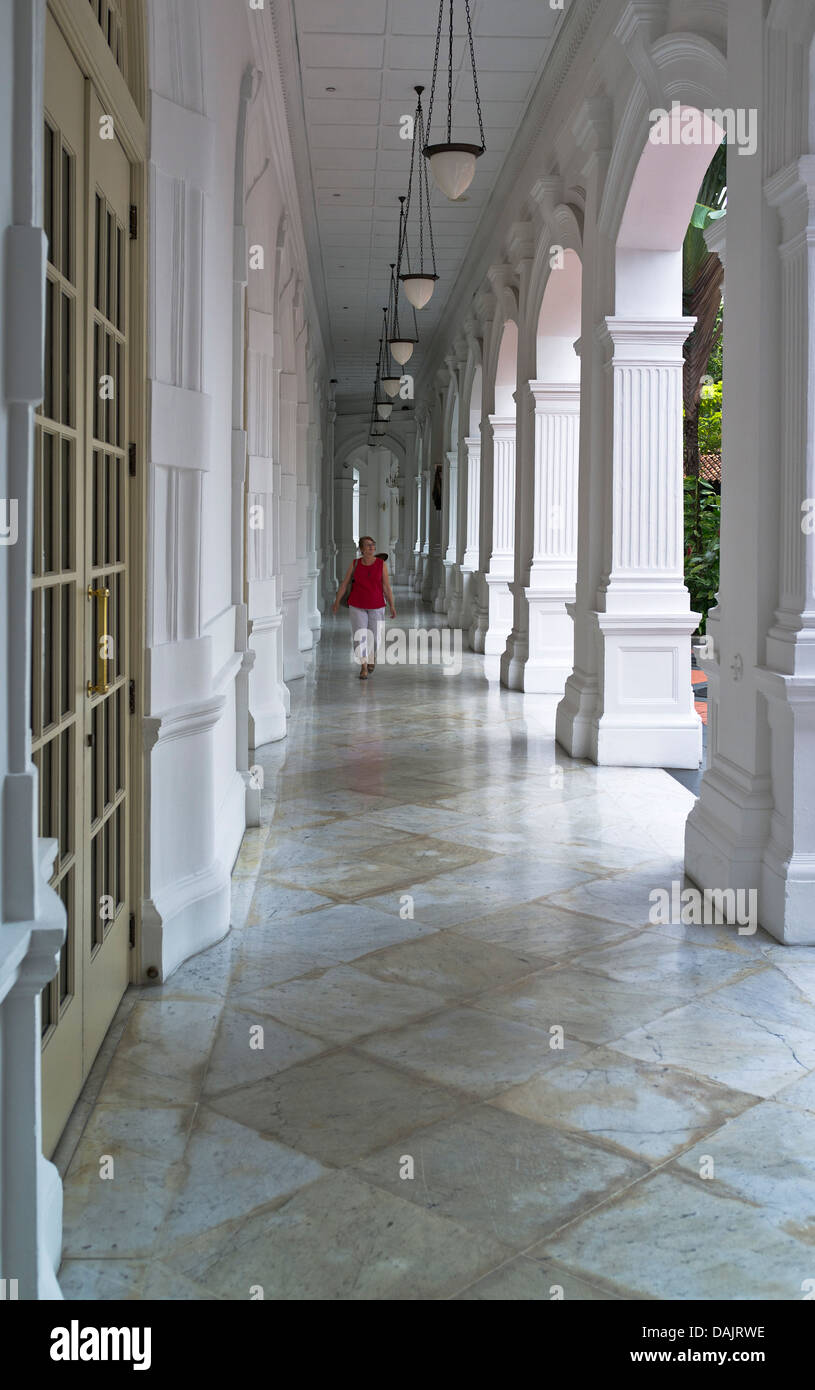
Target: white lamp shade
[419, 289]
[384, 411]
[453, 168]
[401, 350]
[391, 384]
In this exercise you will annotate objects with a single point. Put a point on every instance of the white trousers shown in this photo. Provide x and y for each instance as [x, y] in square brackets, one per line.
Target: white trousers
[367, 627]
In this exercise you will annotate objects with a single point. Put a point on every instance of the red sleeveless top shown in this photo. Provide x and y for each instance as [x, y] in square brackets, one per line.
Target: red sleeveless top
[366, 586]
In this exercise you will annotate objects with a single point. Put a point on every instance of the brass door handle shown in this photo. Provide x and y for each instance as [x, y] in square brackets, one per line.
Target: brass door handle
[102, 686]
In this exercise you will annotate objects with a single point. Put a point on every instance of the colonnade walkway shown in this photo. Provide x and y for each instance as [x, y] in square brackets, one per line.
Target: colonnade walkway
[434, 894]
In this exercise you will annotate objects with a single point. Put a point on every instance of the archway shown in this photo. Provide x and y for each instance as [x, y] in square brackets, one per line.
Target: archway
[471, 483]
[502, 559]
[556, 399]
[629, 700]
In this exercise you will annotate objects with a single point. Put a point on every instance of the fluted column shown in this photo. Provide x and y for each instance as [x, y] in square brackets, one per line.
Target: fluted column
[429, 526]
[469, 563]
[749, 830]
[547, 661]
[452, 573]
[645, 716]
[502, 561]
[293, 667]
[344, 522]
[418, 561]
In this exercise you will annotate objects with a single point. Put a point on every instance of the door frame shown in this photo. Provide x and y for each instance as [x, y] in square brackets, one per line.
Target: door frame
[125, 100]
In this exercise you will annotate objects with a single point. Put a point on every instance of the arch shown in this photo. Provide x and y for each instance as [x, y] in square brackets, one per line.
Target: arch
[506, 369]
[558, 326]
[656, 215]
[475, 405]
[451, 414]
[693, 71]
[561, 232]
[360, 438]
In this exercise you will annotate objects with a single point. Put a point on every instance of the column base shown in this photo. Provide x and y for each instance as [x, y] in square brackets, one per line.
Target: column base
[293, 665]
[726, 831]
[645, 713]
[514, 660]
[481, 613]
[500, 624]
[452, 593]
[575, 714]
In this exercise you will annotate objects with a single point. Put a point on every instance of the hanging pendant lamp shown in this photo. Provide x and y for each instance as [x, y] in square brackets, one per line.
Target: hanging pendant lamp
[381, 409]
[388, 381]
[401, 346]
[419, 282]
[453, 162]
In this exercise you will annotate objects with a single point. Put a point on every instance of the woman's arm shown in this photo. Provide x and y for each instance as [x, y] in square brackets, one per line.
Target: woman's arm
[386, 585]
[343, 587]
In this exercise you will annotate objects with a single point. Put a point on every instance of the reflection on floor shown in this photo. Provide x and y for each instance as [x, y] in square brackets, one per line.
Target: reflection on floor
[360, 1093]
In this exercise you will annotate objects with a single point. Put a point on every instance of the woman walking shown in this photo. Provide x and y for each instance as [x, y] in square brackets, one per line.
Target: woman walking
[370, 587]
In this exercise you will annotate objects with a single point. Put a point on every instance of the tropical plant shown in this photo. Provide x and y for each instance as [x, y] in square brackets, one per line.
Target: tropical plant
[702, 517]
[702, 276]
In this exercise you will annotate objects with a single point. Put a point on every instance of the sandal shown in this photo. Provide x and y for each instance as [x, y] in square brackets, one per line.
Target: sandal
[363, 672]
[371, 666]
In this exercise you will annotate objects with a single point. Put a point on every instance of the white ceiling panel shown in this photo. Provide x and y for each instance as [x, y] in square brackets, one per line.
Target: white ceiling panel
[344, 82]
[341, 51]
[374, 52]
[341, 16]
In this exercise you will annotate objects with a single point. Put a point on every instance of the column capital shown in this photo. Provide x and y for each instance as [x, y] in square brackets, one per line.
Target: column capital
[503, 277]
[552, 396]
[792, 192]
[485, 306]
[520, 245]
[503, 426]
[592, 127]
[644, 342]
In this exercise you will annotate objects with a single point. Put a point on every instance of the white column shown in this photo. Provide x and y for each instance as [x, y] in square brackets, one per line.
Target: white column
[416, 580]
[753, 825]
[469, 563]
[314, 451]
[645, 716]
[430, 537]
[329, 574]
[305, 639]
[554, 561]
[502, 561]
[452, 574]
[293, 667]
[267, 694]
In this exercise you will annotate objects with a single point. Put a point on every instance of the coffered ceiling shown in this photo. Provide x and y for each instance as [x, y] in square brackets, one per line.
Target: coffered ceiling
[359, 61]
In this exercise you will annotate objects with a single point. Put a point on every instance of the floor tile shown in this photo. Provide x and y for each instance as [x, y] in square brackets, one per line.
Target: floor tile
[340, 1240]
[251, 1047]
[453, 966]
[343, 1004]
[736, 1050]
[669, 1238]
[500, 1173]
[339, 1107]
[648, 1110]
[229, 1171]
[479, 1053]
[590, 1007]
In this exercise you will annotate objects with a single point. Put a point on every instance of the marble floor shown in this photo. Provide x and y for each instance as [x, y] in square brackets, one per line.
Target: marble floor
[442, 1053]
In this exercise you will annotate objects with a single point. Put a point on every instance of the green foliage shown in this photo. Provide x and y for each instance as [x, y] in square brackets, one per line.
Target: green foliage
[710, 419]
[714, 363]
[702, 516]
